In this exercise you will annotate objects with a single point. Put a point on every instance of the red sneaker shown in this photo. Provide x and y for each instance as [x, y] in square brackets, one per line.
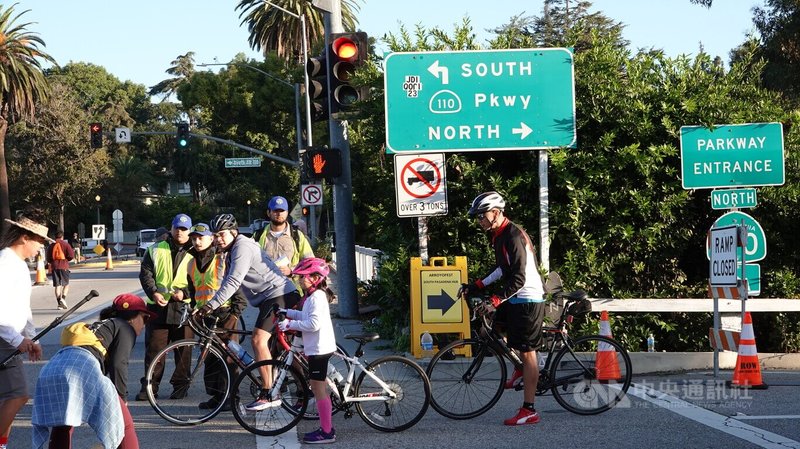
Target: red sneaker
[523, 416]
[516, 379]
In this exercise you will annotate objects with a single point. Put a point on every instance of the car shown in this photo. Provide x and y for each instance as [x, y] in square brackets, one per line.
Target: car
[146, 238]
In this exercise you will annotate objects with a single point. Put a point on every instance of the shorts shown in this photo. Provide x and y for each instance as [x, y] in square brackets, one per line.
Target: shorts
[523, 324]
[60, 278]
[287, 301]
[12, 378]
[318, 366]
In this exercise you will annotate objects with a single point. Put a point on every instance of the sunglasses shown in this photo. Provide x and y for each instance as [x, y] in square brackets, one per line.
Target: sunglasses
[200, 228]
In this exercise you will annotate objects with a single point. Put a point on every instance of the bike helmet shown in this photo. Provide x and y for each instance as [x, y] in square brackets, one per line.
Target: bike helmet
[312, 265]
[222, 222]
[486, 201]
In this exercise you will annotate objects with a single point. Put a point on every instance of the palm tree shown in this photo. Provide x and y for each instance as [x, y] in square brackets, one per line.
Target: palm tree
[182, 69]
[22, 84]
[273, 30]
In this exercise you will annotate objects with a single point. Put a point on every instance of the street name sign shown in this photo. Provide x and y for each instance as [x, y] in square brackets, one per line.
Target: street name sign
[730, 198]
[242, 162]
[750, 154]
[480, 100]
[722, 265]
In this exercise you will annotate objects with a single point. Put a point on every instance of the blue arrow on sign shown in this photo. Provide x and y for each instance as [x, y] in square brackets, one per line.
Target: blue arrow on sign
[443, 302]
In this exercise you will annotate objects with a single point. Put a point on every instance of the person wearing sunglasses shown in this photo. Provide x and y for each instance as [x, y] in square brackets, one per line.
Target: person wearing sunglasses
[520, 304]
[87, 380]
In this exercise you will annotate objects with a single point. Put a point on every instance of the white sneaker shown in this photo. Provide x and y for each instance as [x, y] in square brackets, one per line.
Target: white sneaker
[262, 403]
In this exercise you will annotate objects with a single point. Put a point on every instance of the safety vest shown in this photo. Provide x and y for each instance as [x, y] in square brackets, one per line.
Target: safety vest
[206, 284]
[299, 243]
[166, 281]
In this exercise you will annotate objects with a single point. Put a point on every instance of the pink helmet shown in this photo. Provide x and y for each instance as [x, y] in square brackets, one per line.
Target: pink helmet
[312, 265]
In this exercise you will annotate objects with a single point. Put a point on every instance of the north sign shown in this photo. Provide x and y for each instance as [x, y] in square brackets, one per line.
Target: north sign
[480, 100]
[732, 156]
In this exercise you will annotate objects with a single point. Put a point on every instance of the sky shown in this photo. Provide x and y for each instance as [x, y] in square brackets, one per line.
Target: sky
[137, 41]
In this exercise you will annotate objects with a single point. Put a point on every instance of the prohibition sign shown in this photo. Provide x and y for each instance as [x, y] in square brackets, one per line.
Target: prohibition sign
[312, 195]
[412, 172]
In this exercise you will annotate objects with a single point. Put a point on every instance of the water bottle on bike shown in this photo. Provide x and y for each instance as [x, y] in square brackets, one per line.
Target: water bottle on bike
[240, 352]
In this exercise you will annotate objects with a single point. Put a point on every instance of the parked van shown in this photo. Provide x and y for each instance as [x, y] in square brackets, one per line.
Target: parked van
[146, 238]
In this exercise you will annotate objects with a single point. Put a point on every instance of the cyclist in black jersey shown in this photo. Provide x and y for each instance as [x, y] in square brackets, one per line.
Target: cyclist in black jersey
[520, 304]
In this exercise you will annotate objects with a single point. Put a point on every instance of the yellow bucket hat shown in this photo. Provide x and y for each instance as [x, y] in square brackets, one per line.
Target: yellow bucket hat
[79, 334]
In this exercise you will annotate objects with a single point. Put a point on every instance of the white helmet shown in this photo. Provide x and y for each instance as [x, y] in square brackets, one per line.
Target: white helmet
[486, 201]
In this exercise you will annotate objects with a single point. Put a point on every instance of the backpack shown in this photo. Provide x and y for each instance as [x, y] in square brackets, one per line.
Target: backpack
[58, 252]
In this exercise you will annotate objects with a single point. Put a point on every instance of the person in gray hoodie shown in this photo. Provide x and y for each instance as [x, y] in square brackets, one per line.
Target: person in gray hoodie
[249, 268]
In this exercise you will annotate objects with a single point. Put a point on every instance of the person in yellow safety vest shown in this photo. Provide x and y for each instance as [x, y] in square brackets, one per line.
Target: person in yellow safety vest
[282, 242]
[205, 271]
[164, 281]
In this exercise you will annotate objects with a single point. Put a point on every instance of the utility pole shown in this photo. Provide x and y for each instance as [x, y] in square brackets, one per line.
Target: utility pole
[343, 185]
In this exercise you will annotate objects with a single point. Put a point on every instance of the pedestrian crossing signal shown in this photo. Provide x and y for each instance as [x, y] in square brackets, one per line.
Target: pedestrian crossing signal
[323, 163]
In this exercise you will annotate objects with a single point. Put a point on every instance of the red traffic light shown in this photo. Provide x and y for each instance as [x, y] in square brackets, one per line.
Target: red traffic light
[96, 128]
[345, 48]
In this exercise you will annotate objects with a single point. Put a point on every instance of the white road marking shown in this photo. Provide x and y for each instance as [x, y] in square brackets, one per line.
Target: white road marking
[730, 425]
[741, 417]
[286, 440]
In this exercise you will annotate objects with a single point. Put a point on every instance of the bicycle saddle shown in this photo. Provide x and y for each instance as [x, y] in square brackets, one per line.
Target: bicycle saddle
[363, 338]
[577, 295]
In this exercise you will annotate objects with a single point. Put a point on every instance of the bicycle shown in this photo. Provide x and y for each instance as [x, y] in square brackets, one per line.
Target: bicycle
[468, 376]
[391, 394]
[212, 367]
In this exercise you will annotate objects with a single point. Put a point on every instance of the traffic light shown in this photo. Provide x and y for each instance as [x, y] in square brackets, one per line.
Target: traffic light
[318, 88]
[347, 52]
[96, 133]
[323, 163]
[182, 136]
[305, 212]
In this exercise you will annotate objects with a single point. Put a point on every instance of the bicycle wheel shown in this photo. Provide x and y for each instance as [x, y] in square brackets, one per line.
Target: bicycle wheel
[467, 379]
[294, 393]
[342, 366]
[591, 374]
[197, 374]
[409, 384]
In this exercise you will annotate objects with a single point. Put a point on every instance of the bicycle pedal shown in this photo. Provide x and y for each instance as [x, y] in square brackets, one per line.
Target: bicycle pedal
[519, 387]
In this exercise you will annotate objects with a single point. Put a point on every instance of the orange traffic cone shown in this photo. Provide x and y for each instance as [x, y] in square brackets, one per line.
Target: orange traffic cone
[41, 273]
[747, 373]
[109, 262]
[606, 363]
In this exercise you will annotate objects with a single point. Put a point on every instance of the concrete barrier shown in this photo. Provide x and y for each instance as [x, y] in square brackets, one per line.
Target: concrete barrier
[660, 362]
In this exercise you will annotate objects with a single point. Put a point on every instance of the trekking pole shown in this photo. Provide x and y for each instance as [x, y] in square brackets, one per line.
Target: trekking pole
[53, 325]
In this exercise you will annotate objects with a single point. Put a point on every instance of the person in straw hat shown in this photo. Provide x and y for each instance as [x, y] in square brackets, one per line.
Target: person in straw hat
[22, 239]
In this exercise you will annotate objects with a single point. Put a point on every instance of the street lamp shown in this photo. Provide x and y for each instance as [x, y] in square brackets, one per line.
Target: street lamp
[248, 212]
[97, 198]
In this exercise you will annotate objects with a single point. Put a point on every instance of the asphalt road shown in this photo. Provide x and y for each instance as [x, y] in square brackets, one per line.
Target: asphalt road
[678, 410]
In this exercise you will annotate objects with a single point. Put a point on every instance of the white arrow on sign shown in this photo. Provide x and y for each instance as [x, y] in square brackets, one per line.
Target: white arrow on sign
[122, 135]
[435, 70]
[523, 129]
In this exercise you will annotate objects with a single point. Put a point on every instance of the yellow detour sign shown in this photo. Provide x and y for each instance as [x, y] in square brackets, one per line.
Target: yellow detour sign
[99, 250]
[439, 296]
[435, 306]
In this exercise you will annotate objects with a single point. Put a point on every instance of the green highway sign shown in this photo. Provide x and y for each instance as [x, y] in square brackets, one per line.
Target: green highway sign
[242, 162]
[480, 100]
[730, 198]
[732, 156]
[753, 276]
[756, 245]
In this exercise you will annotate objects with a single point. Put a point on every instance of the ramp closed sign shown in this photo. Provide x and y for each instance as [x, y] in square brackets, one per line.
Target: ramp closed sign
[723, 244]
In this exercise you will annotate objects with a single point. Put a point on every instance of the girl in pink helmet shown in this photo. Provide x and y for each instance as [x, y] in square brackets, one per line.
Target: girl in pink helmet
[314, 320]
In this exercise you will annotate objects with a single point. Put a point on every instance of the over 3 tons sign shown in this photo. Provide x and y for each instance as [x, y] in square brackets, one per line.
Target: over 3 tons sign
[420, 185]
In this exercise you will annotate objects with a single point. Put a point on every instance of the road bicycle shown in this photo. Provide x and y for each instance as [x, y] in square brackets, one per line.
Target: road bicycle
[212, 366]
[586, 375]
[390, 394]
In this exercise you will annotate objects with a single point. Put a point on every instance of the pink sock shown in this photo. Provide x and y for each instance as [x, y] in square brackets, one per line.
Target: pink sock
[325, 411]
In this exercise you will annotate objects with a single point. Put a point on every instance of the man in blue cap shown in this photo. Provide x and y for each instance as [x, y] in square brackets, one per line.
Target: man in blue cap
[282, 242]
[163, 276]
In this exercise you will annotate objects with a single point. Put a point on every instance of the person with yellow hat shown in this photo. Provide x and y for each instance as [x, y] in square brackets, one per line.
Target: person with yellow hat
[86, 381]
[21, 239]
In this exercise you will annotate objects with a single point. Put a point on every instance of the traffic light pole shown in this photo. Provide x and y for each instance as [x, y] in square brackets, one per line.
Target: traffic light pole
[342, 193]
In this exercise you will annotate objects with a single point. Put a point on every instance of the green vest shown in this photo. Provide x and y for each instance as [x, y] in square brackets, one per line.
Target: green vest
[166, 281]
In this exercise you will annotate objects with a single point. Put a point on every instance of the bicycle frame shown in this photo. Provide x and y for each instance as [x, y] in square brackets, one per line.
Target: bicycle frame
[342, 391]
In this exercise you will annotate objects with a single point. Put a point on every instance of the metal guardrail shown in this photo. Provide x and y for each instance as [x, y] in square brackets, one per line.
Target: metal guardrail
[368, 261]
